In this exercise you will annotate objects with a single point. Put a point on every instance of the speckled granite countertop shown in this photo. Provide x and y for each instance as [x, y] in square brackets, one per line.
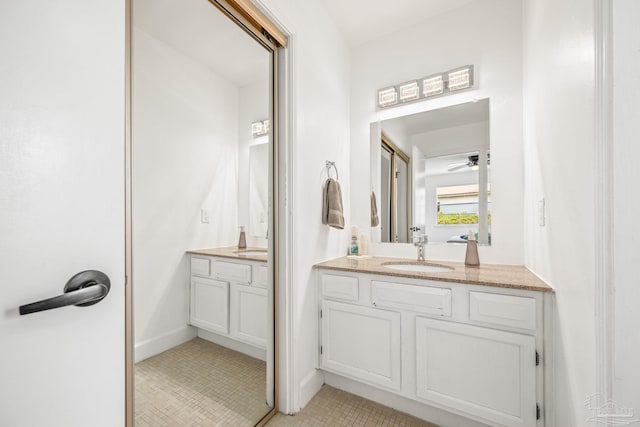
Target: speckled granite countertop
[232, 252]
[502, 276]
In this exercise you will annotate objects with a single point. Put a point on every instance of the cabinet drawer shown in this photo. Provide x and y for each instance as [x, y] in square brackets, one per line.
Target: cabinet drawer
[422, 299]
[340, 287]
[504, 310]
[200, 266]
[261, 279]
[231, 271]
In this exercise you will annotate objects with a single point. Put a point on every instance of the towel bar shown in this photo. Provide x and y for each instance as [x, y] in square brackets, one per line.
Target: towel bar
[329, 164]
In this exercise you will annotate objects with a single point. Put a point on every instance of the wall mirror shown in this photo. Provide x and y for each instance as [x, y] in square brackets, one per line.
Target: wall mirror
[430, 175]
[259, 189]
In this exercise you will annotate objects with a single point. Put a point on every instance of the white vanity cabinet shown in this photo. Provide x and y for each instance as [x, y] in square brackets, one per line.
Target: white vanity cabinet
[249, 314]
[468, 349]
[210, 304]
[361, 342]
[229, 297]
[477, 370]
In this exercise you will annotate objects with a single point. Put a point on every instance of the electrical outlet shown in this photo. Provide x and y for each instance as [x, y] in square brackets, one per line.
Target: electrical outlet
[541, 213]
[204, 216]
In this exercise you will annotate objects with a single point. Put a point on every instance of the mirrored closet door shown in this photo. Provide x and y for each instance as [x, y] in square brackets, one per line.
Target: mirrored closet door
[202, 217]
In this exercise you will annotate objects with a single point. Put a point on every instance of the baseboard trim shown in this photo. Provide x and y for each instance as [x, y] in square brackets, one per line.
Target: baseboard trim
[309, 386]
[249, 350]
[400, 403]
[149, 348]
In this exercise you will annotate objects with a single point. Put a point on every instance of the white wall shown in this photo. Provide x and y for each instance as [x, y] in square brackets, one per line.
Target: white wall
[486, 34]
[626, 151]
[184, 152]
[253, 107]
[559, 162]
[320, 132]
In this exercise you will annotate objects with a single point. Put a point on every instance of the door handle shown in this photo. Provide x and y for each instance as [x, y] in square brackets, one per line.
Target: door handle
[84, 289]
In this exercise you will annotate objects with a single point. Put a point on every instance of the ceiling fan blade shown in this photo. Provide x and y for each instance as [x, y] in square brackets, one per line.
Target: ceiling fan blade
[456, 166]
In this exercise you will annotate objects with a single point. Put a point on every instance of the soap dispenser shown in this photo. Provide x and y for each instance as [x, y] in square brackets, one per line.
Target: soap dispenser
[471, 257]
[242, 241]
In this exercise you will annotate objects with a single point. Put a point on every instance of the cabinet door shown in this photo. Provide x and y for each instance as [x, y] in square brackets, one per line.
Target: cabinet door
[479, 371]
[249, 314]
[362, 343]
[210, 304]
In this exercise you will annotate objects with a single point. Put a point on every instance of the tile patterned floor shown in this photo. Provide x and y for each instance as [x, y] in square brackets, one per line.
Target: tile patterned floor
[332, 407]
[200, 384]
[203, 384]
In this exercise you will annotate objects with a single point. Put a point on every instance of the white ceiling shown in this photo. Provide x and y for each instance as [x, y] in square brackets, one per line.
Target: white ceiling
[199, 30]
[440, 165]
[361, 21]
[442, 118]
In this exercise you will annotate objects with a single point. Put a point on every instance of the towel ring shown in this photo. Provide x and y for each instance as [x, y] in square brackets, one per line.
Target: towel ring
[329, 164]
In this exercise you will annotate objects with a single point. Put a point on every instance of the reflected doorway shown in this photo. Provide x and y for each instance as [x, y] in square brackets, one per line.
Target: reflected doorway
[395, 190]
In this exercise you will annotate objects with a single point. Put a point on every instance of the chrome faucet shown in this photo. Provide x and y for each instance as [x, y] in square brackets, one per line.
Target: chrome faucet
[419, 242]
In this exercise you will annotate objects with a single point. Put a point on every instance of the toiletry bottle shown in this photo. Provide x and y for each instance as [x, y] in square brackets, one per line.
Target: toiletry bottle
[471, 257]
[242, 241]
[353, 247]
[363, 247]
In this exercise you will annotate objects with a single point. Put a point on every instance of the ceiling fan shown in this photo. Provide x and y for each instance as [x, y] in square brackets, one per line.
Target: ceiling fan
[472, 163]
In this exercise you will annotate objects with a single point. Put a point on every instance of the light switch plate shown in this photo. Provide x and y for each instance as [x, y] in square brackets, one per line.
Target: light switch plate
[204, 216]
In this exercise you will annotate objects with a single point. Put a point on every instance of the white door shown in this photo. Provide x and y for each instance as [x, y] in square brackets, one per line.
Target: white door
[481, 372]
[362, 343]
[62, 133]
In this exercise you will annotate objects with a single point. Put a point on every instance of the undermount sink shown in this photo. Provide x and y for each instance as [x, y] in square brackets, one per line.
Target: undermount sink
[252, 252]
[421, 268]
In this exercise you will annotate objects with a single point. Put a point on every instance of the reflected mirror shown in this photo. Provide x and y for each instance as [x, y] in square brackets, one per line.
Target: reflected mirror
[259, 189]
[430, 175]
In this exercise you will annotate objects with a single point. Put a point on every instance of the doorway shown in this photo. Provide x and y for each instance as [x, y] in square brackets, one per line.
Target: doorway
[395, 192]
[204, 134]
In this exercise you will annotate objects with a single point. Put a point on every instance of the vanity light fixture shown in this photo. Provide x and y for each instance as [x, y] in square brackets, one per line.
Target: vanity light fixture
[409, 91]
[460, 78]
[387, 96]
[433, 85]
[436, 84]
[260, 128]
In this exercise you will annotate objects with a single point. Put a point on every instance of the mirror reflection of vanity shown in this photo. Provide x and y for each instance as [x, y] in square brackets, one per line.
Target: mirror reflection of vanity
[431, 175]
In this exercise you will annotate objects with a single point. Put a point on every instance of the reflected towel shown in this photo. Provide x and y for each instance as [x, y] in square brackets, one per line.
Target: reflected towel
[374, 211]
[332, 214]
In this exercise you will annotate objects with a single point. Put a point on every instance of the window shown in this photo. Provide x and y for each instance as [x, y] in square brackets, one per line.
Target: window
[458, 204]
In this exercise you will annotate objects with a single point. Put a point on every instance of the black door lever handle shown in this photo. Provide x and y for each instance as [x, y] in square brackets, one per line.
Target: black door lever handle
[84, 289]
